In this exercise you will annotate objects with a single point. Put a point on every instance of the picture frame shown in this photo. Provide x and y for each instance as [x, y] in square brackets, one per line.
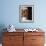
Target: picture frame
[26, 13]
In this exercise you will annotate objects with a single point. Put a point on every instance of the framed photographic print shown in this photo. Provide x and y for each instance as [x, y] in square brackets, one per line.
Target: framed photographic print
[26, 13]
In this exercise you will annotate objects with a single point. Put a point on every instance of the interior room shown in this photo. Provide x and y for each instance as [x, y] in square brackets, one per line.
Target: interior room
[10, 15]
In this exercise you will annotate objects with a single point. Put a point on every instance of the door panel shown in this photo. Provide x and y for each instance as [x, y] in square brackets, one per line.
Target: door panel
[13, 40]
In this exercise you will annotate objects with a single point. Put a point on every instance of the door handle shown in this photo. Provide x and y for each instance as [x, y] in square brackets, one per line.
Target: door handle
[33, 39]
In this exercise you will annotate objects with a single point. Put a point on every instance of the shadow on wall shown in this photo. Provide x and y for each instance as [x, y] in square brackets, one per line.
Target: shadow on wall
[2, 26]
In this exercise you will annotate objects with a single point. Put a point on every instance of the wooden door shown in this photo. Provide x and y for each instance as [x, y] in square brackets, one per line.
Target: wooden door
[13, 40]
[27, 39]
[37, 40]
[34, 39]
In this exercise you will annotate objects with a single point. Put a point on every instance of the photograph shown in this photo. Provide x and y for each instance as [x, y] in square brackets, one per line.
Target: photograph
[26, 13]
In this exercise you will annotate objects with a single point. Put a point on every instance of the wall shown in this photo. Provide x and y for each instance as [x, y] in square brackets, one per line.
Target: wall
[10, 13]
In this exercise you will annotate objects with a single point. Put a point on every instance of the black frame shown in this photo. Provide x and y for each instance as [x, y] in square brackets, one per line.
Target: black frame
[30, 13]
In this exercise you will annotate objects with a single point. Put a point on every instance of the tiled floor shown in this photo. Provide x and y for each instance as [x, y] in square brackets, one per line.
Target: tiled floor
[44, 44]
[0, 44]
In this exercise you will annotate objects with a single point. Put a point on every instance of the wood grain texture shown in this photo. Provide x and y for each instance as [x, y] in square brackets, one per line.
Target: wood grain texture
[13, 39]
[23, 39]
[34, 39]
